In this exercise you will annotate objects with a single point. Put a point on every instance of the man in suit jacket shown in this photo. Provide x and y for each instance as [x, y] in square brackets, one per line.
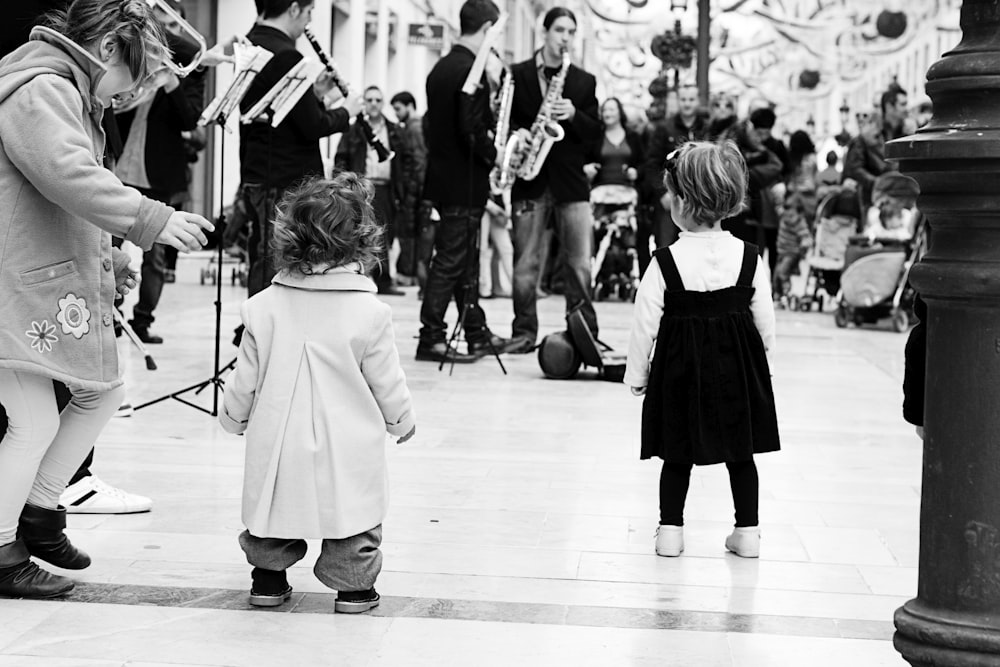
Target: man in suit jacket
[561, 188]
[273, 159]
[460, 155]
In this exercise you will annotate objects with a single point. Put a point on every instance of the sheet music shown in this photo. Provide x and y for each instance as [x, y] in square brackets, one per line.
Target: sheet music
[249, 60]
[479, 64]
[285, 94]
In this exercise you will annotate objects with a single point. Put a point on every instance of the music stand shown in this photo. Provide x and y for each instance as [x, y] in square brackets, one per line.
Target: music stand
[278, 102]
[249, 60]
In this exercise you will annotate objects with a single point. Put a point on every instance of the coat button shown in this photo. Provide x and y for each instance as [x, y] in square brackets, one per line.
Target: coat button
[107, 265]
[107, 320]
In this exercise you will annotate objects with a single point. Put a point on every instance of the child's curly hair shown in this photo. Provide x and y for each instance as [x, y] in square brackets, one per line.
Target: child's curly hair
[323, 223]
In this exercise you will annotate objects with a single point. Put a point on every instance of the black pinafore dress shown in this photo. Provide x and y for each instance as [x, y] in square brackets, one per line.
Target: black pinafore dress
[709, 398]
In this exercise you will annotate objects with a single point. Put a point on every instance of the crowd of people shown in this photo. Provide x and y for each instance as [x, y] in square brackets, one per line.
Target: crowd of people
[710, 188]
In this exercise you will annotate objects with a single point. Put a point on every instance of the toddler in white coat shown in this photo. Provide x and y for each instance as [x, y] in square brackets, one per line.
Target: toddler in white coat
[317, 385]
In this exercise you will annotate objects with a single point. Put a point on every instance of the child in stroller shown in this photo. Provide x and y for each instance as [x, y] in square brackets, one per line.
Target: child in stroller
[838, 219]
[615, 266]
[874, 283]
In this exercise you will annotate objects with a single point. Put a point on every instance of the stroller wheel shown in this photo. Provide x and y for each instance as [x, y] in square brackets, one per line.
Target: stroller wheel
[840, 317]
[900, 321]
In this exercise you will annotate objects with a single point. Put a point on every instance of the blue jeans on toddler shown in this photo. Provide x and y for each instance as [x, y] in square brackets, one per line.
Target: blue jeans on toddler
[348, 564]
[574, 227]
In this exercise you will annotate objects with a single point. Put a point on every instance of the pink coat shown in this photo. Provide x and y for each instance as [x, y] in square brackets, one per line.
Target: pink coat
[316, 387]
[59, 207]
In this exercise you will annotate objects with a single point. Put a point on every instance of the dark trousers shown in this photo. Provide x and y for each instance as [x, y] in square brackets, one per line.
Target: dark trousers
[259, 203]
[153, 273]
[743, 481]
[406, 233]
[384, 214]
[454, 273]
[424, 244]
[654, 221]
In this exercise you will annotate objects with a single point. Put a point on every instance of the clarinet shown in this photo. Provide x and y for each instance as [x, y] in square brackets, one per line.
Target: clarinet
[381, 151]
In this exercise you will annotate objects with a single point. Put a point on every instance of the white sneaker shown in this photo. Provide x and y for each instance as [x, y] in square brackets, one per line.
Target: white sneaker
[125, 410]
[92, 496]
[745, 542]
[669, 541]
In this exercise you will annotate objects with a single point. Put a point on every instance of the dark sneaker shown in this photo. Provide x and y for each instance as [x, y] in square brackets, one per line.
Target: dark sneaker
[356, 602]
[270, 588]
[441, 352]
[519, 345]
[145, 336]
[483, 347]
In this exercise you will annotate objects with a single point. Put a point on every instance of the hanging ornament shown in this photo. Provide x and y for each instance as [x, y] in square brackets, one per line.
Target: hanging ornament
[673, 50]
[659, 87]
[808, 79]
[890, 24]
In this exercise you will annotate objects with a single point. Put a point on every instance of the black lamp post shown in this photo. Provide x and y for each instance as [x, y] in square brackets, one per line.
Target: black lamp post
[844, 137]
[954, 621]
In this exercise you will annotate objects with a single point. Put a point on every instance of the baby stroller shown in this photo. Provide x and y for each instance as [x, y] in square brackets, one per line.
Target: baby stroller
[875, 281]
[615, 265]
[838, 218]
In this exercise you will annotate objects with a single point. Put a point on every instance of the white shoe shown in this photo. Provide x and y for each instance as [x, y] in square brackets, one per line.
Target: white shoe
[669, 541]
[92, 496]
[745, 542]
[125, 410]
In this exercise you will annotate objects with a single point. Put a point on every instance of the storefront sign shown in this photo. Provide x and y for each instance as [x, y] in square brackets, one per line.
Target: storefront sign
[427, 34]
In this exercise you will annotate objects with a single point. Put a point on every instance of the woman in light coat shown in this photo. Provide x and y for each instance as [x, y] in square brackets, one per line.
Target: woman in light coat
[58, 209]
[317, 385]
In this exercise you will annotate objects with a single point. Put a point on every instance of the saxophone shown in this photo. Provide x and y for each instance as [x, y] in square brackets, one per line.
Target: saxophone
[502, 179]
[524, 159]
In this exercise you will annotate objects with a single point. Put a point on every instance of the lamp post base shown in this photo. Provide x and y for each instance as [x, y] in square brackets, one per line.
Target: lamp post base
[929, 637]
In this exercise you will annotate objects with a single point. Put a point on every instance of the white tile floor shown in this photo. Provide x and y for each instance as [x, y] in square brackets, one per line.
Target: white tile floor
[516, 490]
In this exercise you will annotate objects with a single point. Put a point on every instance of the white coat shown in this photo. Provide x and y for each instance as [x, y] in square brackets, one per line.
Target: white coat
[316, 386]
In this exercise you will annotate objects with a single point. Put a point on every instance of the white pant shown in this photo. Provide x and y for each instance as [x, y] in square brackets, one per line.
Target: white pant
[42, 448]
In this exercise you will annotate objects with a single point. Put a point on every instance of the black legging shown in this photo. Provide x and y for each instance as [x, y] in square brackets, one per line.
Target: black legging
[674, 481]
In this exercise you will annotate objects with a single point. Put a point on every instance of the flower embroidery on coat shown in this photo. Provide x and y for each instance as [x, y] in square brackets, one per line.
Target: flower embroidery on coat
[74, 316]
[42, 335]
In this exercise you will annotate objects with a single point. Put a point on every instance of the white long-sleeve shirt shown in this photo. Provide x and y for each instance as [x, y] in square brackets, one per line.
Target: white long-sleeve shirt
[707, 261]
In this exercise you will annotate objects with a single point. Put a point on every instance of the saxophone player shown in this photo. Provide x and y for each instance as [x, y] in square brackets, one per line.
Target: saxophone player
[561, 187]
[460, 154]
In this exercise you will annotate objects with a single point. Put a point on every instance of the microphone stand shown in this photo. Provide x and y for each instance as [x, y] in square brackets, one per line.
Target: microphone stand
[215, 380]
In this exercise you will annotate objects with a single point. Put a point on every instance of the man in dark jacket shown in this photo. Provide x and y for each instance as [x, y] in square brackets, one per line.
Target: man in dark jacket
[155, 162]
[688, 124]
[407, 218]
[460, 155]
[272, 159]
[355, 153]
[561, 187]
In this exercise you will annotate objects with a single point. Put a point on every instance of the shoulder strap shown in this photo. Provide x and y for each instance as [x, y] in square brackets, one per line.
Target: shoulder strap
[749, 266]
[668, 267]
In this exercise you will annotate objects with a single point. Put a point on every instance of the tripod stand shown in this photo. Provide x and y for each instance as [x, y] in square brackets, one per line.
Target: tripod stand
[215, 381]
[470, 297]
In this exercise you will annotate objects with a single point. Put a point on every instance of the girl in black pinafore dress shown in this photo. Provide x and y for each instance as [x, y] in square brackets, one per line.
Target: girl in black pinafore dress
[708, 395]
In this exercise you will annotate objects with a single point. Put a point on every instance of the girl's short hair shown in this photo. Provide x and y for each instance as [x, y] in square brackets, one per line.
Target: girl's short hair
[142, 41]
[711, 178]
[323, 223]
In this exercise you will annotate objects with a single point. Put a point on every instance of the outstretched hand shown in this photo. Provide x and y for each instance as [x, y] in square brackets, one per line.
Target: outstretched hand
[185, 231]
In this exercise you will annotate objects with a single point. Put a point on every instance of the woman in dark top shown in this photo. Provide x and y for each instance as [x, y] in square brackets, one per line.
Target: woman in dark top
[616, 157]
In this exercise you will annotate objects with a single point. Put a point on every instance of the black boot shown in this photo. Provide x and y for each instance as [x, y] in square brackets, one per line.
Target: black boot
[20, 578]
[42, 532]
